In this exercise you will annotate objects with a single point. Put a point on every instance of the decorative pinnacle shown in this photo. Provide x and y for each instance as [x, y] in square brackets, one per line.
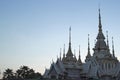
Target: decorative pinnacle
[107, 39]
[88, 43]
[113, 48]
[88, 46]
[100, 25]
[70, 36]
[60, 53]
[79, 50]
[64, 51]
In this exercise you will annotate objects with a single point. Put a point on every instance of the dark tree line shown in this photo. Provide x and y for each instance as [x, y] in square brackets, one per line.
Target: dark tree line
[24, 72]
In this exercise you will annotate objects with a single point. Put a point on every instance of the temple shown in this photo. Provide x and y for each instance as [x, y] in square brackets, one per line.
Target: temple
[102, 65]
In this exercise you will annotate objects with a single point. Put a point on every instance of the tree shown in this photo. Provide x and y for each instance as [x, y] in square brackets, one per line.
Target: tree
[8, 74]
[23, 72]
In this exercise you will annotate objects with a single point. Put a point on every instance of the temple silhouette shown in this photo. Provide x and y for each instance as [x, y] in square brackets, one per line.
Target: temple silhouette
[102, 65]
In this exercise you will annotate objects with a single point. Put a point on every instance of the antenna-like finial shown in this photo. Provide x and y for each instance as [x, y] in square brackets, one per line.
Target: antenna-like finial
[64, 51]
[107, 39]
[60, 53]
[79, 58]
[88, 43]
[113, 48]
[70, 36]
[88, 46]
[79, 50]
[100, 25]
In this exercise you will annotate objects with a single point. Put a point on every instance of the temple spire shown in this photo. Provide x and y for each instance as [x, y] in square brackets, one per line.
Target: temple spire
[79, 59]
[100, 42]
[60, 53]
[100, 25]
[64, 51]
[88, 55]
[107, 40]
[100, 34]
[113, 52]
[69, 53]
[88, 46]
[63, 59]
[79, 51]
[70, 36]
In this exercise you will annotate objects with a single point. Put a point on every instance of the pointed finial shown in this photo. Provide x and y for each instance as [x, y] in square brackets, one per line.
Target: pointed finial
[107, 40]
[79, 58]
[79, 50]
[113, 48]
[64, 51]
[88, 43]
[60, 53]
[100, 25]
[88, 46]
[70, 36]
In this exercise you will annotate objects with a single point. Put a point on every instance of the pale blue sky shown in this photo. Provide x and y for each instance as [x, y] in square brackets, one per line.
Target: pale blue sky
[33, 31]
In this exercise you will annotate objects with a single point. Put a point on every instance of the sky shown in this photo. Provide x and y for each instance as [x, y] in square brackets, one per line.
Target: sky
[33, 31]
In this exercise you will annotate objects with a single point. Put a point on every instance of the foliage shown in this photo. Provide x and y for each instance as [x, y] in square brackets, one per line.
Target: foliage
[24, 72]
